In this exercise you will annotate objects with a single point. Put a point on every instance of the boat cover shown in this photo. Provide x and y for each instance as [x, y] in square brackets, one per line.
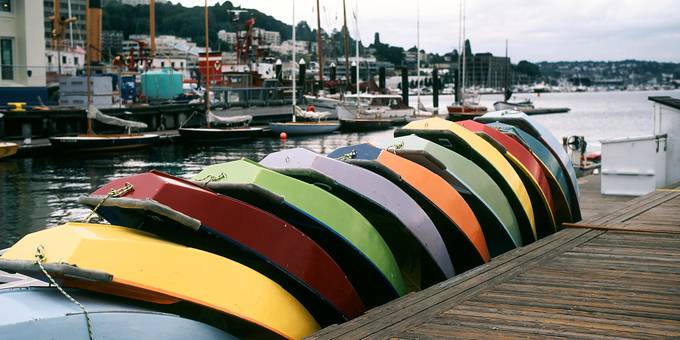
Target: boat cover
[94, 113]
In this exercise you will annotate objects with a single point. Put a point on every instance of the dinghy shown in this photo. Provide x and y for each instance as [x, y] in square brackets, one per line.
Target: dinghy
[8, 149]
[485, 198]
[105, 142]
[487, 157]
[396, 216]
[529, 171]
[454, 219]
[182, 212]
[44, 313]
[337, 227]
[137, 265]
[314, 123]
[233, 129]
[566, 205]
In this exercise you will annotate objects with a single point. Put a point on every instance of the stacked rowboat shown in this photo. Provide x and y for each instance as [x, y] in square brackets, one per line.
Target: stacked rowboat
[298, 241]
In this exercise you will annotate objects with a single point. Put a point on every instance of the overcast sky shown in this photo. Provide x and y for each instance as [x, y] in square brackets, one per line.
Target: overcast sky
[537, 30]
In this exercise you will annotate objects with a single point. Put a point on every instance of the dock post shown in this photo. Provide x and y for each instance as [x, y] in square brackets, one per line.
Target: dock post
[278, 70]
[302, 74]
[381, 78]
[404, 85]
[435, 89]
[353, 74]
[456, 86]
[332, 75]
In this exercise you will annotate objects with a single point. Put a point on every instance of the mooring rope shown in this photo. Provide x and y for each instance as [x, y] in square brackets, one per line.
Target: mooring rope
[39, 259]
[212, 178]
[113, 193]
[350, 155]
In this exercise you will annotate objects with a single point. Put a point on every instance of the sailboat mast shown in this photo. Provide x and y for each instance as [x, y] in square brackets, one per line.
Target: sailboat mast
[319, 49]
[152, 27]
[88, 70]
[70, 25]
[346, 31]
[207, 68]
[464, 53]
[418, 56]
[356, 19]
[294, 64]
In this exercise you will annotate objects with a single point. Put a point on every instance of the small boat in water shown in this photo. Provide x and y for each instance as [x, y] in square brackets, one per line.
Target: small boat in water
[396, 216]
[373, 112]
[519, 106]
[8, 149]
[333, 224]
[485, 198]
[530, 172]
[454, 219]
[134, 264]
[311, 123]
[179, 211]
[44, 313]
[487, 157]
[233, 128]
[105, 142]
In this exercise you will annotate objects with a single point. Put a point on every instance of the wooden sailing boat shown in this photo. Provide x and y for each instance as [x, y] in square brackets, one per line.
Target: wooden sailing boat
[92, 141]
[466, 107]
[317, 125]
[237, 126]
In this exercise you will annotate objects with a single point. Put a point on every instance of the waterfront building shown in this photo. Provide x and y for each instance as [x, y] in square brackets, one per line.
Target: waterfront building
[487, 71]
[66, 62]
[22, 52]
[112, 43]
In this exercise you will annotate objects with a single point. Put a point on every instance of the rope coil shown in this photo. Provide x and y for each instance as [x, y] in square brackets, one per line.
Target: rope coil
[39, 259]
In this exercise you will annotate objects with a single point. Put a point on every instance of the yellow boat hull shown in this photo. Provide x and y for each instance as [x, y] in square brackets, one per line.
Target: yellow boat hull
[8, 149]
[489, 152]
[139, 261]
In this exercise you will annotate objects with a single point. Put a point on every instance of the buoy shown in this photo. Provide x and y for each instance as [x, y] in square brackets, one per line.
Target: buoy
[283, 135]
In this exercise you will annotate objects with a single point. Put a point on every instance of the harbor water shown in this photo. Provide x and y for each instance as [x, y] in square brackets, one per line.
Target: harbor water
[42, 191]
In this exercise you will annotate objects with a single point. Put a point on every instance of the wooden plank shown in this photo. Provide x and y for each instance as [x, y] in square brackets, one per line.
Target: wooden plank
[621, 281]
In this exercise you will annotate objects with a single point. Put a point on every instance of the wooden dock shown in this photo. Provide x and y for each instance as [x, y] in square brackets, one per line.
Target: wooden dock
[615, 274]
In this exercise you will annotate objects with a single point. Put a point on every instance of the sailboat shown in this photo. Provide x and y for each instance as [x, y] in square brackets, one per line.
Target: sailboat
[467, 104]
[101, 142]
[237, 127]
[317, 125]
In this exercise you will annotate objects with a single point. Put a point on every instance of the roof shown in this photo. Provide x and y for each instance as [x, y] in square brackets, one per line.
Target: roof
[666, 100]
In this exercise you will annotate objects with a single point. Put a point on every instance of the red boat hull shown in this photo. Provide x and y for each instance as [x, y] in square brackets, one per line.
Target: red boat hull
[532, 165]
[278, 245]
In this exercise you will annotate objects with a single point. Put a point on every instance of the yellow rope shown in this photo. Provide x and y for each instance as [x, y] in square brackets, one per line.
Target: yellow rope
[348, 156]
[113, 193]
[39, 259]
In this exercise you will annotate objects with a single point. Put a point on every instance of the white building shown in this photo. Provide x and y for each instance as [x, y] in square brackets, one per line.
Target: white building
[71, 61]
[22, 51]
[228, 37]
[140, 2]
[286, 47]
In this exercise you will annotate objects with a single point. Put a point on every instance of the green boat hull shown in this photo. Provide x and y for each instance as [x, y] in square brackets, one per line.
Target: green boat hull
[473, 179]
[340, 219]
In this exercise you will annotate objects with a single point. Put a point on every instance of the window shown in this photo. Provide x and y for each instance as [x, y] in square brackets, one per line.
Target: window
[5, 6]
[6, 59]
[49, 59]
[75, 61]
[63, 59]
[162, 64]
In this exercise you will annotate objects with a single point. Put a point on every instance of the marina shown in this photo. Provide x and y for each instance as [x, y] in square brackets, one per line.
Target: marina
[215, 171]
